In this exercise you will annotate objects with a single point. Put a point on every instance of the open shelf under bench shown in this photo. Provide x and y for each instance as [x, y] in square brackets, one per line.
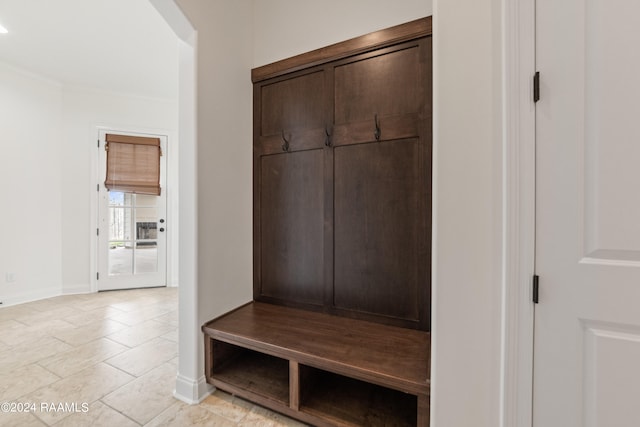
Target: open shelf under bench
[321, 369]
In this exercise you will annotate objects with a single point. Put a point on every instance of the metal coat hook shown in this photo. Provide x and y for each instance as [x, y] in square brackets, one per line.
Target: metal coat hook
[327, 140]
[285, 145]
[378, 132]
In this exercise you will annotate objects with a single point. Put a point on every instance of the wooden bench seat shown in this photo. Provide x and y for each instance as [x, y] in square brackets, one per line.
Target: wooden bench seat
[319, 368]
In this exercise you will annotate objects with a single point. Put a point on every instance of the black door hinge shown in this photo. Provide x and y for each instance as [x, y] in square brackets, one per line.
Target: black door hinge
[97, 276]
[536, 86]
[97, 231]
[98, 143]
[536, 289]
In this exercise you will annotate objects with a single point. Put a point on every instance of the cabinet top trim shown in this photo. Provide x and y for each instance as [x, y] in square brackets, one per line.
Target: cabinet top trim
[397, 34]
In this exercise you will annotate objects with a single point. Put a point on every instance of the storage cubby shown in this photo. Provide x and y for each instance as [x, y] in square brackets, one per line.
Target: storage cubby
[346, 401]
[256, 373]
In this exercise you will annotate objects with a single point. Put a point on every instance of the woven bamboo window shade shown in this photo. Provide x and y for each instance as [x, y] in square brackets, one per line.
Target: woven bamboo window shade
[133, 164]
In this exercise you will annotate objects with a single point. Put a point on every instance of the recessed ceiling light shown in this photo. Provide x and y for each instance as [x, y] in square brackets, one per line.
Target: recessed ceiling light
[3, 30]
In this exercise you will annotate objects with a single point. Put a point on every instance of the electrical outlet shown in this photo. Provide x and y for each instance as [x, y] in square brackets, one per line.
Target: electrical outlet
[10, 277]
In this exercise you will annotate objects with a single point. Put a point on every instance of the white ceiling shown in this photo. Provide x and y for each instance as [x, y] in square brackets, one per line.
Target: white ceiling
[123, 46]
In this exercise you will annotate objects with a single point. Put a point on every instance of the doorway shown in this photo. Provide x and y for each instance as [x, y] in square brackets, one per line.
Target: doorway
[131, 233]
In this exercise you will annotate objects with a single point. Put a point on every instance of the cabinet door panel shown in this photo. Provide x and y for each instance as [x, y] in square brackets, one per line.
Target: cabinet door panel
[388, 84]
[380, 229]
[292, 226]
[293, 105]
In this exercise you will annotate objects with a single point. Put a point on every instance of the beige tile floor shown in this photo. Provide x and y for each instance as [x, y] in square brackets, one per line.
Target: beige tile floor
[114, 356]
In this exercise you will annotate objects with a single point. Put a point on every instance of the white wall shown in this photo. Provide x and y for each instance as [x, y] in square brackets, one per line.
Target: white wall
[84, 110]
[30, 191]
[467, 213]
[285, 28]
[48, 209]
[224, 163]
[223, 168]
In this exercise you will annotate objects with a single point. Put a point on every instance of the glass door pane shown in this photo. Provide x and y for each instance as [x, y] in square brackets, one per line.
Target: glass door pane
[120, 242]
[133, 234]
[146, 222]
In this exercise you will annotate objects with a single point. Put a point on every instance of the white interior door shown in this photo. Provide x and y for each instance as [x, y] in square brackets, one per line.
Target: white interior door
[132, 242]
[587, 323]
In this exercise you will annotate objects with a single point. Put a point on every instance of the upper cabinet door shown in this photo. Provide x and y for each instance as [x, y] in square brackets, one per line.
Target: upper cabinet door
[381, 95]
[289, 189]
[382, 200]
[293, 113]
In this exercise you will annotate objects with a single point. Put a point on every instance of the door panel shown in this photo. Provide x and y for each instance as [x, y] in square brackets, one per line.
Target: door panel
[379, 230]
[293, 104]
[382, 184]
[293, 113]
[587, 327]
[289, 194]
[387, 84]
[292, 226]
[381, 95]
[611, 376]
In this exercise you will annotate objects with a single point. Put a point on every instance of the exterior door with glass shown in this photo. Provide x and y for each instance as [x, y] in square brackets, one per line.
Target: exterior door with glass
[131, 226]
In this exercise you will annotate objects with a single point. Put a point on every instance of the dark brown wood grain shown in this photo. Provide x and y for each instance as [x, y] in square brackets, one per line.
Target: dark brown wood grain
[396, 127]
[378, 229]
[292, 227]
[411, 30]
[351, 402]
[424, 406]
[258, 373]
[293, 104]
[384, 83]
[385, 355]
[340, 371]
[330, 151]
[294, 385]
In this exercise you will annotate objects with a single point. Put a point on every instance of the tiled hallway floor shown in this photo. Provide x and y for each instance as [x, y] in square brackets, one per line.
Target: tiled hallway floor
[114, 356]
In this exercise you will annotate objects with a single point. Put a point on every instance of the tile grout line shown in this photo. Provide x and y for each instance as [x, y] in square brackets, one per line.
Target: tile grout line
[115, 409]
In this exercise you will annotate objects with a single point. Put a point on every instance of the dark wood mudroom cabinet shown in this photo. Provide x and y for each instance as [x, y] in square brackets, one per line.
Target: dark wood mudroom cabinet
[342, 237]
[342, 186]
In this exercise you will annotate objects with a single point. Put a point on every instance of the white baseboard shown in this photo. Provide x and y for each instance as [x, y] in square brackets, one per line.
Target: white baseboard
[192, 391]
[21, 298]
[78, 289]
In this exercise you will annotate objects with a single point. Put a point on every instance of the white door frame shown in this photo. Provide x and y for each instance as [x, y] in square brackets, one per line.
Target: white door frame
[172, 214]
[518, 257]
